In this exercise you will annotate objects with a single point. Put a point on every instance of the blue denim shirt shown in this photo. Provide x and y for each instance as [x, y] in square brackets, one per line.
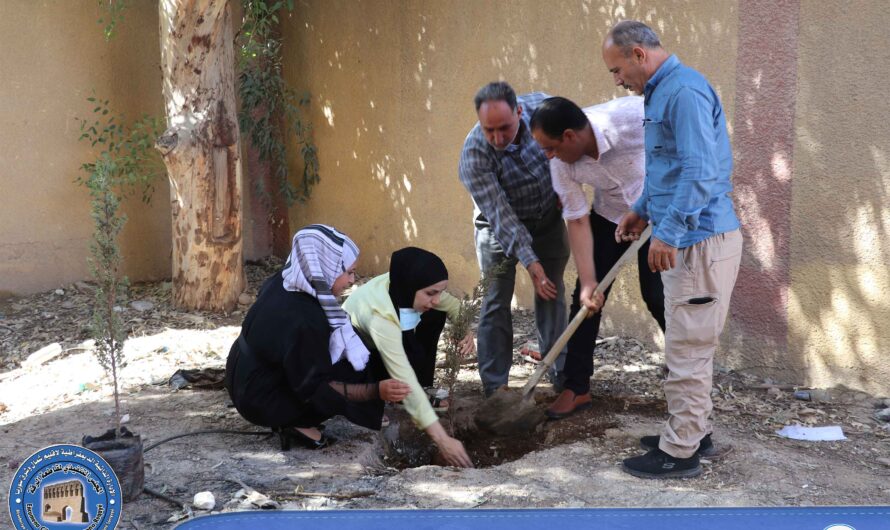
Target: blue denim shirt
[688, 158]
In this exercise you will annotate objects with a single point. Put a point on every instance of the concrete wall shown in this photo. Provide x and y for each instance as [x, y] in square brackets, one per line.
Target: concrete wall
[812, 181]
[392, 84]
[840, 221]
[54, 57]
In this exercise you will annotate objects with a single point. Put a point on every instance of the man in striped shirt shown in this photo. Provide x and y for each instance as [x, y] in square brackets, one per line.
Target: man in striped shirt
[517, 219]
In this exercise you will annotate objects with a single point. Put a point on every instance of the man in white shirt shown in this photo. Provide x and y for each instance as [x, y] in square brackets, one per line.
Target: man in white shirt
[600, 147]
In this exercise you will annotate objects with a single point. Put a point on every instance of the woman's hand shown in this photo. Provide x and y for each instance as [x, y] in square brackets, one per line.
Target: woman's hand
[453, 452]
[451, 449]
[467, 345]
[393, 390]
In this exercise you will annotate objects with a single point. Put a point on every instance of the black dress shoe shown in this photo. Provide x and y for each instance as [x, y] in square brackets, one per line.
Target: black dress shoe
[289, 435]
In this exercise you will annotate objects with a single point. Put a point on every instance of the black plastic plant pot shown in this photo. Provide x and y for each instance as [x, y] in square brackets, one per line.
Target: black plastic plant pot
[124, 454]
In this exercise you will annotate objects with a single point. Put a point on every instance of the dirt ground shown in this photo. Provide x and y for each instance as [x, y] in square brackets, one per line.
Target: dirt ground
[569, 463]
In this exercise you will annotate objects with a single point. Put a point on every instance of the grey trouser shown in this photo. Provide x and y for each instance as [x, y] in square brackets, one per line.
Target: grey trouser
[495, 333]
[696, 295]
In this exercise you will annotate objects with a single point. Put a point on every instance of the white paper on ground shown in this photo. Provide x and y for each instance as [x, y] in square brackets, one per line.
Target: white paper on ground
[812, 434]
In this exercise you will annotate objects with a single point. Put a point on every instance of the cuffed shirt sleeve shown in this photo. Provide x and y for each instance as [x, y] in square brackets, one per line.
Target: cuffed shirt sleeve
[641, 206]
[388, 338]
[569, 190]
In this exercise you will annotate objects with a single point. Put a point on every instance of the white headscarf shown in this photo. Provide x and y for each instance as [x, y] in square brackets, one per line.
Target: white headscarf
[318, 256]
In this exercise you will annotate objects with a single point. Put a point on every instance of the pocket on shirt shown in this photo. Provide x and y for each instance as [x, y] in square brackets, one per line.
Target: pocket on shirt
[654, 131]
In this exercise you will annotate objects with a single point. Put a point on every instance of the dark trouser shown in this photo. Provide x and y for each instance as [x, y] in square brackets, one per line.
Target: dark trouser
[495, 333]
[264, 397]
[420, 347]
[606, 252]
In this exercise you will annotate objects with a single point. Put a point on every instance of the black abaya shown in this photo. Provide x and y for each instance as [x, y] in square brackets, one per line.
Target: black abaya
[280, 379]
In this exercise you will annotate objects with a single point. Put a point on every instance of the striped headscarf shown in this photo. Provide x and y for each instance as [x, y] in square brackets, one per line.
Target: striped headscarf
[320, 254]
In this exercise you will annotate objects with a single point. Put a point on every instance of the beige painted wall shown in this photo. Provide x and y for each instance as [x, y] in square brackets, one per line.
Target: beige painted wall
[54, 56]
[392, 84]
[839, 306]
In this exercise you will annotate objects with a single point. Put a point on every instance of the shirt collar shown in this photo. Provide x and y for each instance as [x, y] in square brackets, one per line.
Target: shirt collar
[668, 66]
[523, 135]
[602, 143]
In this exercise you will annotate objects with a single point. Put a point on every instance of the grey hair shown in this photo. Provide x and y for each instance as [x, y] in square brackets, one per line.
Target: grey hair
[496, 91]
[629, 33]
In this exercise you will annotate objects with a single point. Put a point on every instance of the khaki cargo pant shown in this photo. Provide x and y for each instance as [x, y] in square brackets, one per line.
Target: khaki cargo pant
[696, 294]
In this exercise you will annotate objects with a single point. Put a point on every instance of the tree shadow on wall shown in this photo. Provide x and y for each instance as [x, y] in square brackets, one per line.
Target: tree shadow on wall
[393, 85]
[809, 305]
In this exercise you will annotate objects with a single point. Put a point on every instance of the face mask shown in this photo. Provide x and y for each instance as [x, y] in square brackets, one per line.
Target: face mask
[408, 318]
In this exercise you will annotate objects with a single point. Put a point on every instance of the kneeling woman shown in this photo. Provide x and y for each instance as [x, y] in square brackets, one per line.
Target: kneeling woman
[298, 360]
[403, 314]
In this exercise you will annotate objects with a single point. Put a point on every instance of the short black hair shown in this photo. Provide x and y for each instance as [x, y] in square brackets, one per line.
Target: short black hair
[496, 91]
[555, 115]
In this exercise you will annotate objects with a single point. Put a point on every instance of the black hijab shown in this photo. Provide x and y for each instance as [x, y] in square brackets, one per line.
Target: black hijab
[410, 270]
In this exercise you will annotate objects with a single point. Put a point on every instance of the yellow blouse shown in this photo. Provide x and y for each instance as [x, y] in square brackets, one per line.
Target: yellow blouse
[372, 313]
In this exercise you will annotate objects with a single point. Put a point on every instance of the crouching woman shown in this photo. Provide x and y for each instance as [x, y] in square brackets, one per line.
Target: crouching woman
[402, 314]
[298, 361]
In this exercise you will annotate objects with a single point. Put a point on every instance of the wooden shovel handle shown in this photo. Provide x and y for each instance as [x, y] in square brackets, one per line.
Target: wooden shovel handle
[604, 284]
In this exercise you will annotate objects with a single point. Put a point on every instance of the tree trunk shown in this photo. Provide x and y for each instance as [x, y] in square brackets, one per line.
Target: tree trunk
[202, 153]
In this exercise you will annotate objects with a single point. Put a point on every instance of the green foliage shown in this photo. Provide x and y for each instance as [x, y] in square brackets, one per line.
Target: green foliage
[270, 110]
[114, 13]
[105, 264]
[133, 162]
[125, 161]
[455, 332]
[457, 329]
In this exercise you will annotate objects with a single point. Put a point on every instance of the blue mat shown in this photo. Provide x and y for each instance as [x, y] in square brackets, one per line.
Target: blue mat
[832, 517]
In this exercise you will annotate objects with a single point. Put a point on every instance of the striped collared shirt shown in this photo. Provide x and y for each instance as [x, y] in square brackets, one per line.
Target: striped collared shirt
[509, 186]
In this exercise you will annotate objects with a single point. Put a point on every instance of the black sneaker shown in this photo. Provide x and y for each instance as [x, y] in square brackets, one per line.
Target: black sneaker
[705, 446]
[658, 464]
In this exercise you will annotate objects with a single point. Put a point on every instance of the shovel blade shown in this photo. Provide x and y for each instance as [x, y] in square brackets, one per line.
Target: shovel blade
[508, 413]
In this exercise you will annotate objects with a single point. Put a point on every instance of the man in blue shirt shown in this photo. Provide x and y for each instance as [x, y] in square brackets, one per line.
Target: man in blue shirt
[516, 219]
[696, 243]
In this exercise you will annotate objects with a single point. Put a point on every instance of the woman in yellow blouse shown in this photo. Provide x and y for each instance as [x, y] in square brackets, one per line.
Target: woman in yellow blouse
[403, 313]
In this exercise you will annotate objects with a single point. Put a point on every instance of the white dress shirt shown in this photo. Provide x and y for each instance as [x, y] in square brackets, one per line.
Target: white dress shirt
[617, 175]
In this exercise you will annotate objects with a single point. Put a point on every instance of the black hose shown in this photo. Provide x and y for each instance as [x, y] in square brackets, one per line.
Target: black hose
[210, 431]
[169, 499]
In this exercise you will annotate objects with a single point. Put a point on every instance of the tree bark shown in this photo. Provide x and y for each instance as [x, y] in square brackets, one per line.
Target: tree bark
[201, 150]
